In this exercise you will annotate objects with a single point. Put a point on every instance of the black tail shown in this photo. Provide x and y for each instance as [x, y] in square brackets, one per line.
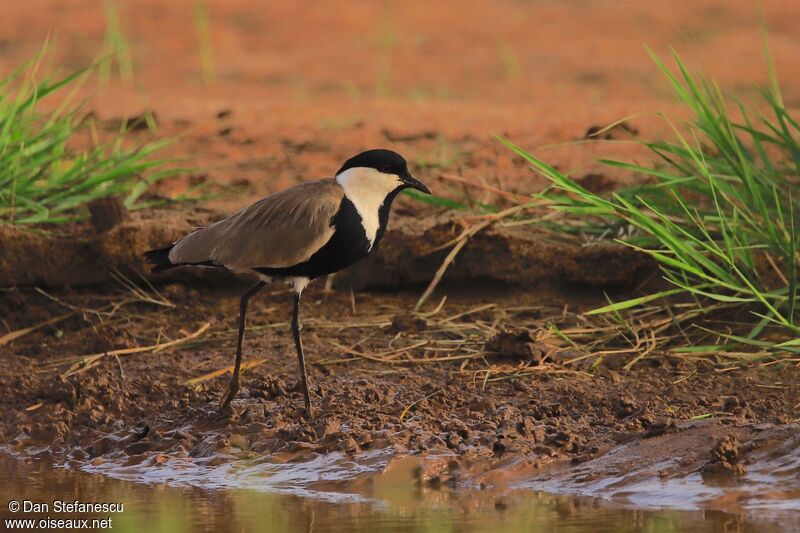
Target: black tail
[159, 259]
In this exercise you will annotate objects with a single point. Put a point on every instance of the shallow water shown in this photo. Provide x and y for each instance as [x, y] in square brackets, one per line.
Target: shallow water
[770, 481]
[270, 497]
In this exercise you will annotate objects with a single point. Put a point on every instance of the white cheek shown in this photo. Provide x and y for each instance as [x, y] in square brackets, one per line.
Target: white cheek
[367, 189]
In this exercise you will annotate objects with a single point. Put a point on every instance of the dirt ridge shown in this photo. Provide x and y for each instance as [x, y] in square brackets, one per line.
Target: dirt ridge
[409, 255]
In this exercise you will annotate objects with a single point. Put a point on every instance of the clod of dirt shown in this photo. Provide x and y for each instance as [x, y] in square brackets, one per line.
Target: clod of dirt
[731, 404]
[660, 427]
[724, 457]
[625, 406]
[407, 324]
[517, 344]
[268, 388]
[107, 212]
[596, 183]
[617, 131]
[138, 122]
[57, 389]
[326, 427]
[394, 136]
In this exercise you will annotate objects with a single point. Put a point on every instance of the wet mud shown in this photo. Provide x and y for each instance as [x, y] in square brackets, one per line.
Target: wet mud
[515, 413]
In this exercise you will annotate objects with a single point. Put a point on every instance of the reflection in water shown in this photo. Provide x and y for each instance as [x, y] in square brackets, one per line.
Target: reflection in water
[392, 502]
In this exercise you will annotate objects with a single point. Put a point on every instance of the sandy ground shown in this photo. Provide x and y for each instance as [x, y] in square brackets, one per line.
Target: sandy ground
[301, 88]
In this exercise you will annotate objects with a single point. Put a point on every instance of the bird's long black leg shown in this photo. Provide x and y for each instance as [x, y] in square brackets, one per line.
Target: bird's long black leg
[298, 343]
[233, 386]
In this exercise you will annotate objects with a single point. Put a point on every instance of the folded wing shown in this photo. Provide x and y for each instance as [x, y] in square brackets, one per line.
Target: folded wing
[279, 231]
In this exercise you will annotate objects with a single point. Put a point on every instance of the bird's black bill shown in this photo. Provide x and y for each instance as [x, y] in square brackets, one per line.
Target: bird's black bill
[414, 183]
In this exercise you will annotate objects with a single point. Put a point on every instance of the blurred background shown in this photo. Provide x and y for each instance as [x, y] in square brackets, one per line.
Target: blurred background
[268, 93]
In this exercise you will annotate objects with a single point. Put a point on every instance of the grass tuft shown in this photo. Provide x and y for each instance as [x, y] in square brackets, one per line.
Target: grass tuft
[719, 214]
[43, 178]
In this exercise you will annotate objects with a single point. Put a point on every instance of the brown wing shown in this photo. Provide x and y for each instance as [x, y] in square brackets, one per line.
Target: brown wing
[280, 230]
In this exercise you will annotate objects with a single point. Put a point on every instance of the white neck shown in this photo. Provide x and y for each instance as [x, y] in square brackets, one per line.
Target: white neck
[368, 188]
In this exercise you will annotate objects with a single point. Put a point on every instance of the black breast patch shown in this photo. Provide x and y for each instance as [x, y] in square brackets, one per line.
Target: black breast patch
[348, 245]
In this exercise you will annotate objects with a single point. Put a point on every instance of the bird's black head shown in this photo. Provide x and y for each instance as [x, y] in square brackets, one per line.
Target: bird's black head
[386, 162]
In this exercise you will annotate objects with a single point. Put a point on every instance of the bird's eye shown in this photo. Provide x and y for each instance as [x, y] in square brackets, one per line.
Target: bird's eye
[384, 169]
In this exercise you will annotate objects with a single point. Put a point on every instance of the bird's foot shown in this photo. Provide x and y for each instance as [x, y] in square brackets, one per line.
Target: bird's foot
[309, 411]
[227, 398]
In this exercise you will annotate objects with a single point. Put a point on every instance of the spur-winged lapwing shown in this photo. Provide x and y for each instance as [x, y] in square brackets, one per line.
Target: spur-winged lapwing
[298, 234]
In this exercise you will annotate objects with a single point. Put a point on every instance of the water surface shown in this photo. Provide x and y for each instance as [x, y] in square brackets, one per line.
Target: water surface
[383, 503]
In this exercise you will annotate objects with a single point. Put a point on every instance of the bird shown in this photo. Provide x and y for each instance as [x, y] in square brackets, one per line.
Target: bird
[296, 235]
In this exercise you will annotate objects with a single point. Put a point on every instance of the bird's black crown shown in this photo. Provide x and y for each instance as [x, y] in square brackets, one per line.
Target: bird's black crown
[385, 161]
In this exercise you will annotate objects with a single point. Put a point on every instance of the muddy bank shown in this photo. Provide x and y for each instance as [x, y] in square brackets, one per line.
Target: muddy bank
[381, 379]
[704, 464]
[82, 256]
[409, 255]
